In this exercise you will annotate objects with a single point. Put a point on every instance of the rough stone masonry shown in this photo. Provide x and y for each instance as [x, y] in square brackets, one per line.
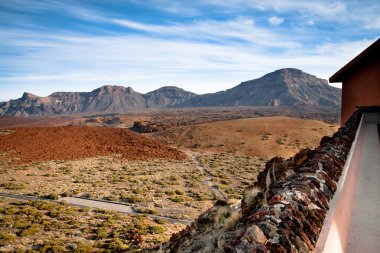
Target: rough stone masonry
[283, 211]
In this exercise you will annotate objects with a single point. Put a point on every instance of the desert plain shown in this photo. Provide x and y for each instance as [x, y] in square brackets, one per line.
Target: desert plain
[168, 171]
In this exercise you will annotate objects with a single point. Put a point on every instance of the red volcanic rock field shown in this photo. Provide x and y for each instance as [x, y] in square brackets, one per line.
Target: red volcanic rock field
[36, 144]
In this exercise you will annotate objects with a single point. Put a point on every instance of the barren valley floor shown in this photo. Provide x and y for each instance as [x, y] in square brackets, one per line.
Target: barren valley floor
[205, 162]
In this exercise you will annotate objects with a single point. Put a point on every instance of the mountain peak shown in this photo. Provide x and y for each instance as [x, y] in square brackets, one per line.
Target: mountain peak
[109, 89]
[171, 89]
[284, 87]
[27, 95]
[294, 77]
[291, 71]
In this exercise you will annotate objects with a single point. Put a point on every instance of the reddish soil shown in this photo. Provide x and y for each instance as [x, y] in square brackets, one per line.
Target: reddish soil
[75, 142]
[7, 122]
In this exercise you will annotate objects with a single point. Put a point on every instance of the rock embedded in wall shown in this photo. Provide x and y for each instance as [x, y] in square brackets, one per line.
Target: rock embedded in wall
[283, 211]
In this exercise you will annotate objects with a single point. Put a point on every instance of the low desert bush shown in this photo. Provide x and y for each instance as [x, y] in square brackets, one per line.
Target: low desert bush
[13, 186]
[33, 229]
[160, 221]
[53, 196]
[134, 199]
[6, 238]
[82, 247]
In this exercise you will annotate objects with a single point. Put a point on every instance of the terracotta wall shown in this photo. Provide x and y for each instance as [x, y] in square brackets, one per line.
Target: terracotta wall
[361, 87]
[334, 233]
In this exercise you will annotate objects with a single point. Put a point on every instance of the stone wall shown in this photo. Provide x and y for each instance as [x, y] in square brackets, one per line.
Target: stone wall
[284, 210]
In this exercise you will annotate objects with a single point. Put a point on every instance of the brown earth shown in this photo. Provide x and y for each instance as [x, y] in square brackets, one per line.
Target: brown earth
[122, 121]
[262, 137]
[27, 145]
[7, 122]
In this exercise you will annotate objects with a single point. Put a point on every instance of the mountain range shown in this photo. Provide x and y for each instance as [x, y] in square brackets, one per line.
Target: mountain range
[284, 87]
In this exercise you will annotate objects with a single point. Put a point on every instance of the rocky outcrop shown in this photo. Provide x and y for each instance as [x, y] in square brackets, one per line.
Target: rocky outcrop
[283, 211]
[147, 127]
[285, 87]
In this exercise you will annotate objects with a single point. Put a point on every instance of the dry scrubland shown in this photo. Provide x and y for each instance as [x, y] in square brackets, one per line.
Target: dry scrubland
[176, 189]
[40, 226]
[231, 152]
[231, 173]
[261, 137]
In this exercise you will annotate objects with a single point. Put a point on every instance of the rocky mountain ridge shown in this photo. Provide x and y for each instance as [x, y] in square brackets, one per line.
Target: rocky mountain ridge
[284, 87]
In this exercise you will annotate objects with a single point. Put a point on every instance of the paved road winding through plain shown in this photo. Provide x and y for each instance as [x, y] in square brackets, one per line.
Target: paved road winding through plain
[106, 205]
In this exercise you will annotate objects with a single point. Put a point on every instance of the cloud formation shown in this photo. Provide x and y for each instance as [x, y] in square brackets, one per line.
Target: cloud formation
[275, 20]
[202, 46]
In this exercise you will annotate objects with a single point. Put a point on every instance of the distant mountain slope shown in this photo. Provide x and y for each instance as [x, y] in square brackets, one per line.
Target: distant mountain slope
[284, 87]
[104, 99]
[168, 96]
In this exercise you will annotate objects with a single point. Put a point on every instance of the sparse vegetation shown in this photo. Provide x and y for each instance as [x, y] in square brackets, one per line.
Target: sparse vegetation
[31, 225]
[6, 238]
[177, 189]
[13, 186]
[263, 137]
[232, 173]
[162, 185]
[7, 132]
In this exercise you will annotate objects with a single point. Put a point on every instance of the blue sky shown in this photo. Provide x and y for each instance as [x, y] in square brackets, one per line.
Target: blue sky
[199, 45]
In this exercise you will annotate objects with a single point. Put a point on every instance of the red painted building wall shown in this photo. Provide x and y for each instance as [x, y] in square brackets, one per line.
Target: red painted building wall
[360, 81]
[361, 87]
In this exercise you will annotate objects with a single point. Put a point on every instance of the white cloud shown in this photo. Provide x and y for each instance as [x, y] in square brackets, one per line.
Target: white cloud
[359, 12]
[72, 62]
[235, 31]
[204, 55]
[322, 8]
[275, 20]
[310, 22]
[373, 24]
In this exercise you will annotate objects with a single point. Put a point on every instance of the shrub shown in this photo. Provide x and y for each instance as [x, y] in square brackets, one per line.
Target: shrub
[114, 245]
[33, 229]
[225, 182]
[170, 193]
[134, 199]
[160, 221]
[176, 199]
[13, 186]
[199, 196]
[156, 229]
[101, 233]
[21, 224]
[30, 211]
[82, 247]
[112, 198]
[11, 210]
[52, 196]
[52, 247]
[179, 192]
[137, 191]
[6, 238]
[147, 210]
[67, 194]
